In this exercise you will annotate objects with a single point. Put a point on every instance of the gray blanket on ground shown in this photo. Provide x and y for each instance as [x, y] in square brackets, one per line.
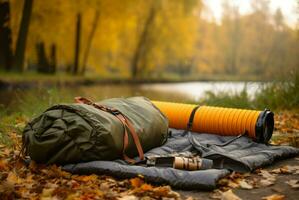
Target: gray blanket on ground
[241, 154]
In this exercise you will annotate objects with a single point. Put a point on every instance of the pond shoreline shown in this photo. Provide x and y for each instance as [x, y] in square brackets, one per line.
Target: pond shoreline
[6, 84]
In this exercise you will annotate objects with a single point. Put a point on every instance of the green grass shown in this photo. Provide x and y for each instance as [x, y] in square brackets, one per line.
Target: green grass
[276, 96]
[13, 119]
[231, 100]
[13, 77]
[30, 76]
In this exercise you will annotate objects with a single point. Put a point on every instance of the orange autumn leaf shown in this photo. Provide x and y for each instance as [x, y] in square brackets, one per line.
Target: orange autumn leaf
[146, 187]
[89, 178]
[136, 182]
[274, 197]
[3, 165]
[162, 191]
[13, 178]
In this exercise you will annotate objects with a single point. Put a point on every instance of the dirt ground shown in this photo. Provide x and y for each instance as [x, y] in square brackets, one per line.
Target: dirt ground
[20, 180]
[280, 186]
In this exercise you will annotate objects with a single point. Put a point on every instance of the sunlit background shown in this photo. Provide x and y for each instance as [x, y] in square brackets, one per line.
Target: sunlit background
[168, 38]
[289, 9]
[219, 52]
[228, 53]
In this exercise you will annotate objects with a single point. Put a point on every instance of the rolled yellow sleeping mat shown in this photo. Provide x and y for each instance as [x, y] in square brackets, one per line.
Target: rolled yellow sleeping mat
[258, 125]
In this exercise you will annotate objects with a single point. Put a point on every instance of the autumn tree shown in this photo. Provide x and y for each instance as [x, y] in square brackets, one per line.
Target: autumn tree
[231, 33]
[19, 56]
[5, 36]
[143, 39]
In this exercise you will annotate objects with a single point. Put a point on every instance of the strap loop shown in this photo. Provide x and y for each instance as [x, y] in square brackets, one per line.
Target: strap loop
[190, 122]
[126, 124]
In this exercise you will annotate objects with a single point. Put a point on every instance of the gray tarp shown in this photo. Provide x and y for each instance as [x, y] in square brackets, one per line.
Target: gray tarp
[240, 155]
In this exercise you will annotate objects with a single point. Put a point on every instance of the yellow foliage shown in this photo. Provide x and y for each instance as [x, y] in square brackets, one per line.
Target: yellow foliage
[172, 35]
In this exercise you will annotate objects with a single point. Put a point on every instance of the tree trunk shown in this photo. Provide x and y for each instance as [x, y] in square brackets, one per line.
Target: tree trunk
[42, 61]
[77, 44]
[140, 43]
[22, 36]
[89, 41]
[53, 60]
[5, 36]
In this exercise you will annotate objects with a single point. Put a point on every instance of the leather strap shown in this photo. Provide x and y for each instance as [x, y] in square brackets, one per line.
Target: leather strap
[190, 122]
[126, 124]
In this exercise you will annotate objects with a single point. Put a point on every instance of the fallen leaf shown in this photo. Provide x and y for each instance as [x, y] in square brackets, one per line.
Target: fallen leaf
[47, 192]
[281, 170]
[244, 185]
[89, 178]
[165, 191]
[232, 180]
[216, 194]
[229, 195]
[136, 182]
[294, 169]
[3, 165]
[266, 174]
[33, 166]
[293, 183]
[266, 182]
[232, 184]
[55, 171]
[5, 152]
[128, 197]
[13, 178]
[146, 187]
[189, 198]
[286, 170]
[274, 197]
[104, 186]
[6, 187]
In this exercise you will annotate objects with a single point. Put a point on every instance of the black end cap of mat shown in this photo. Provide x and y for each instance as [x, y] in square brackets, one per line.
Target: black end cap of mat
[264, 126]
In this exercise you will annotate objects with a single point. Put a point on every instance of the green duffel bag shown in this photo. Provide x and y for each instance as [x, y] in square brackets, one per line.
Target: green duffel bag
[85, 131]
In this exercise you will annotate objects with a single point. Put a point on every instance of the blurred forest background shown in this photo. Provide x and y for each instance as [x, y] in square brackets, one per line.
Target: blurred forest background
[168, 50]
[145, 39]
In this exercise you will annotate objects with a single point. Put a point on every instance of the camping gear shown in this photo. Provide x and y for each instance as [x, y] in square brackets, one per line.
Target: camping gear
[241, 155]
[178, 161]
[86, 131]
[217, 120]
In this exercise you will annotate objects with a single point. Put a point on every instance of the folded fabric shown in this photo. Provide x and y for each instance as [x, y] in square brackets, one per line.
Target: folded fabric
[227, 152]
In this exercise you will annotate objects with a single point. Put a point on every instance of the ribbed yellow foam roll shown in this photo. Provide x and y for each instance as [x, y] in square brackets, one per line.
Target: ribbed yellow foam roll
[220, 121]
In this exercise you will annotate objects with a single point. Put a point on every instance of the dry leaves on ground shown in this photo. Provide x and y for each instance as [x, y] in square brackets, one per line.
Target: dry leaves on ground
[274, 197]
[287, 122]
[34, 181]
[287, 169]
[268, 179]
[224, 195]
[286, 129]
[229, 195]
[293, 183]
[236, 180]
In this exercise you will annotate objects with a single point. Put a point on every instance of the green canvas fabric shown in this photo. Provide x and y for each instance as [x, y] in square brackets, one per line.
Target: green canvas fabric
[72, 133]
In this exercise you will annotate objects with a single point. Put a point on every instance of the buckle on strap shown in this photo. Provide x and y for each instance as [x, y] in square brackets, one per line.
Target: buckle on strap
[124, 120]
[113, 111]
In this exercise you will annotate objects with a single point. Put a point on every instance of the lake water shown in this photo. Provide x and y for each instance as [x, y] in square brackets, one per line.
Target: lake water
[196, 90]
[189, 91]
